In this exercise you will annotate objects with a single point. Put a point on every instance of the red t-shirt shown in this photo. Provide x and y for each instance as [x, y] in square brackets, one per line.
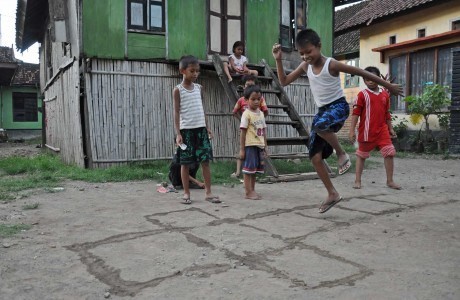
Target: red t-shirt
[242, 104]
[373, 109]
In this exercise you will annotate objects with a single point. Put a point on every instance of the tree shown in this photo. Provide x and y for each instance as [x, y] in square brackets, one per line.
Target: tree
[434, 100]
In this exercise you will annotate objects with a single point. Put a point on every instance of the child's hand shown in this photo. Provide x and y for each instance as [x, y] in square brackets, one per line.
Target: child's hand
[396, 89]
[242, 154]
[276, 51]
[210, 135]
[352, 136]
[178, 140]
[393, 133]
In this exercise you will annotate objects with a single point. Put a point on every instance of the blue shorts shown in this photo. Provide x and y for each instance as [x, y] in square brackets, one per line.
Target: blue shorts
[253, 160]
[330, 118]
[199, 147]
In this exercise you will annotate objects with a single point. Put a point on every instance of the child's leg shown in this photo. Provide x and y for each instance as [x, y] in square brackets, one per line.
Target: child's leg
[238, 167]
[249, 183]
[332, 139]
[359, 171]
[227, 71]
[184, 175]
[206, 171]
[321, 170]
[388, 152]
[254, 72]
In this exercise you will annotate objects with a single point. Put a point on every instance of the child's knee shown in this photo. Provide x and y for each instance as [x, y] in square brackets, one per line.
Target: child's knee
[362, 154]
[388, 151]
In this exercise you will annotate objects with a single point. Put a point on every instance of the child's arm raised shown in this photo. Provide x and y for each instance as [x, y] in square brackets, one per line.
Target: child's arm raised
[283, 78]
[176, 97]
[336, 67]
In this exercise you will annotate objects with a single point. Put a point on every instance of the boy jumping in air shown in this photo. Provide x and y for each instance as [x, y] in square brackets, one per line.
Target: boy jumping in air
[375, 130]
[192, 132]
[323, 75]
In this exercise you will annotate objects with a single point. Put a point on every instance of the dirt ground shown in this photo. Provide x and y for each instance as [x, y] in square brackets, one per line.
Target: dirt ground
[127, 241]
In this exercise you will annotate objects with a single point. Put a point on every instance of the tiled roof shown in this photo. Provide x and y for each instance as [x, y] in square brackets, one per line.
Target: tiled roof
[26, 75]
[7, 55]
[378, 10]
[347, 42]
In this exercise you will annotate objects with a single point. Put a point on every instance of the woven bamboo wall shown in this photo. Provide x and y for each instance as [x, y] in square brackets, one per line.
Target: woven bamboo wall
[130, 112]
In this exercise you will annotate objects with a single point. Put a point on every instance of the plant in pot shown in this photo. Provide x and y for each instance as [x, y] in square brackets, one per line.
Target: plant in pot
[433, 100]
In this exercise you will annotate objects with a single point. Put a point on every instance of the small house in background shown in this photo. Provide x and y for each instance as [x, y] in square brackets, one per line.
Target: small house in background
[20, 105]
[108, 68]
[413, 41]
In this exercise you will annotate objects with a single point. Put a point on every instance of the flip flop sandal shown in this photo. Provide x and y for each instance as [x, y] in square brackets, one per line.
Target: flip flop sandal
[329, 206]
[343, 168]
[213, 199]
[186, 200]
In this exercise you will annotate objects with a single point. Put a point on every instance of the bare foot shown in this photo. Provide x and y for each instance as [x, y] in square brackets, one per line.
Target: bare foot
[393, 185]
[253, 196]
[230, 79]
[357, 185]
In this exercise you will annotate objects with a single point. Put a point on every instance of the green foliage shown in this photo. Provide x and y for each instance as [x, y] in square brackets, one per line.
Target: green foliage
[443, 120]
[399, 126]
[433, 100]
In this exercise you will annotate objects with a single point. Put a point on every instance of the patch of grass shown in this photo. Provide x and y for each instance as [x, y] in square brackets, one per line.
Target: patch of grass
[7, 230]
[31, 206]
[4, 196]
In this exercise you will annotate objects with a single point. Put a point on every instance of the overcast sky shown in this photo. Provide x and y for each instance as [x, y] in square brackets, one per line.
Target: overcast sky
[8, 32]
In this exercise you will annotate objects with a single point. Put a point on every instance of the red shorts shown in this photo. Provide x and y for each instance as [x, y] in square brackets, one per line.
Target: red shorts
[383, 143]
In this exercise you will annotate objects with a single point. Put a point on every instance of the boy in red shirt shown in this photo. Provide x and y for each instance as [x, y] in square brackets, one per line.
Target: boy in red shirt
[375, 130]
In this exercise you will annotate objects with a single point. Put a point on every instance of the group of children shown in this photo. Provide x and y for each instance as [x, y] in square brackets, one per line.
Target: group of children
[371, 109]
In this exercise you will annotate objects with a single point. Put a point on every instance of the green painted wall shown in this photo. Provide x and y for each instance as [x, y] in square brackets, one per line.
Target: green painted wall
[104, 28]
[320, 18]
[145, 46]
[6, 109]
[187, 23]
[262, 29]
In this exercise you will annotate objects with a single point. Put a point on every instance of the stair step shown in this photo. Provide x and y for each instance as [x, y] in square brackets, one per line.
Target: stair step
[297, 140]
[282, 122]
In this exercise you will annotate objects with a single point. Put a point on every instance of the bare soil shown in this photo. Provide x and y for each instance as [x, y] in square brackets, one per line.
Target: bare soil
[127, 241]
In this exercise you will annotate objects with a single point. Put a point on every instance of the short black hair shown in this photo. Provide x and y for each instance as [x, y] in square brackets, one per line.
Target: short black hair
[237, 44]
[251, 89]
[249, 77]
[373, 70]
[186, 61]
[307, 36]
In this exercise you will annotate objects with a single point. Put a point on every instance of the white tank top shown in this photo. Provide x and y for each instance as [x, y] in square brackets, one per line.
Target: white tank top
[191, 107]
[324, 87]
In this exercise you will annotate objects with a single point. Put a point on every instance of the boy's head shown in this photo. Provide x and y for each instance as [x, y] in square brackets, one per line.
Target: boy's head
[373, 70]
[307, 36]
[238, 44]
[372, 85]
[187, 60]
[189, 67]
[249, 80]
[250, 90]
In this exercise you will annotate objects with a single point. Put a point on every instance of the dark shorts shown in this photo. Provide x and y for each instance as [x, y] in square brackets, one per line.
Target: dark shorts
[253, 160]
[199, 147]
[330, 118]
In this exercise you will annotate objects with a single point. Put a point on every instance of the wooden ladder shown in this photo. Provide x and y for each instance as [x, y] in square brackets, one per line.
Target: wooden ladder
[285, 105]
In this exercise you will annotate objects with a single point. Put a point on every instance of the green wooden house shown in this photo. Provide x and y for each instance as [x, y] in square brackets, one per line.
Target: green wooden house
[19, 97]
[108, 67]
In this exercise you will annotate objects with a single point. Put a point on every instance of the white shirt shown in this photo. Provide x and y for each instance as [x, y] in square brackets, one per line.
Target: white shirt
[324, 87]
[191, 107]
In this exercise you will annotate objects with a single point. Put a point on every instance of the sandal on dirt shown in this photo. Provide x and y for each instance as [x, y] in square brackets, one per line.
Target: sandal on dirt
[343, 168]
[329, 206]
[213, 199]
[186, 200]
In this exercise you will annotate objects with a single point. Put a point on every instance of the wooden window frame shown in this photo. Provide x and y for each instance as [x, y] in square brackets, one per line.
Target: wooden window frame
[24, 96]
[146, 10]
[421, 32]
[224, 18]
[392, 39]
[294, 25]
